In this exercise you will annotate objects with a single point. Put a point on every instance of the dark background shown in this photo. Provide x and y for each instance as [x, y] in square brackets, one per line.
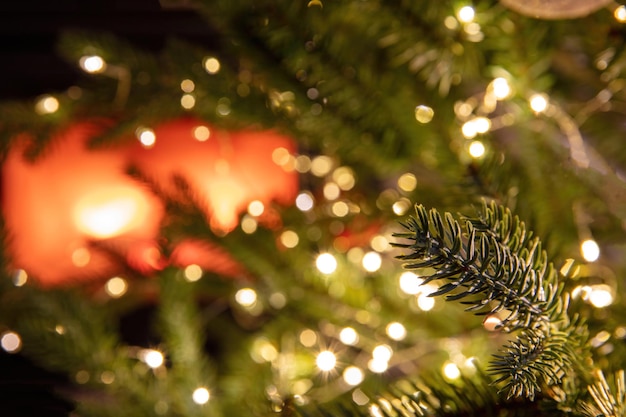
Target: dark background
[30, 66]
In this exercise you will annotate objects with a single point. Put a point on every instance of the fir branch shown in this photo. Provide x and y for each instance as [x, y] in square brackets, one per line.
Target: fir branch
[494, 265]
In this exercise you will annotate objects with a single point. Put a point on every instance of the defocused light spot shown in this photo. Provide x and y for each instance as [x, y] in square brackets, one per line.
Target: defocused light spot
[396, 331]
[211, 65]
[326, 263]
[152, 358]
[379, 243]
[424, 114]
[187, 101]
[11, 342]
[620, 14]
[20, 277]
[331, 191]
[600, 296]
[187, 85]
[326, 360]
[476, 149]
[410, 283]
[193, 272]
[401, 206]
[289, 239]
[353, 375]
[201, 133]
[377, 366]
[344, 177]
[201, 396]
[92, 64]
[304, 201]
[308, 337]
[321, 165]
[246, 297]
[81, 257]
[538, 102]
[425, 303]
[116, 287]
[407, 182]
[590, 250]
[146, 136]
[107, 377]
[372, 261]
[340, 209]
[382, 353]
[466, 14]
[501, 88]
[451, 371]
[256, 208]
[46, 105]
[348, 336]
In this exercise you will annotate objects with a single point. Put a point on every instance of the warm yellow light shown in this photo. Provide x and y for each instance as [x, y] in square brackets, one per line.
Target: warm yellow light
[92, 64]
[401, 206]
[81, 257]
[326, 361]
[211, 65]
[451, 371]
[424, 114]
[289, 239]
[372, 261]
[425, 303]
[344, 177]
[469, 129]
[109, 212]
[353, 376]
[321, 165]
[331, 191]
[410, 283]
[476, 149]
[600, 296]
[193, 272]
[382, 353]
[349, 336]
[201, 133]
[308, 337]
[187, 85]
[407, 182]
[466, 14]
[326, 263]
[201, 396]
[379, 243]
[304, 201]
[538, 102]
[246, 297]
[46, 105]
[303, 164]
[340, 209]
[20, 277]
[590, 250]
[146, 136]
[187, 101]
[152, 358]
[501, 88]
[620, 14]
[116, 287]
[11, 342]
[249, 224]
[256, 208]
[396, 331]
[377, 366]
[482, 124]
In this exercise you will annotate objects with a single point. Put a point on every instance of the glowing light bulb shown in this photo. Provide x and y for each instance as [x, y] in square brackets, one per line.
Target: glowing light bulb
[425, 303]
[451, 371]
[372, 261]
[600, 296]
[109, 212]
[396, 331]
[410, 283]
[187, 85]
[11, 342]
[201, 395]
[424, 114]
[590, 250]
[116, 287]
[152, 358]
[501, 88]
[211, 65]
[377, 366]
[256, 208]
[146, 136]
[469, 129]
[326, 263]
[466, 14]
[382, 353]
[349, 336]
[246, 297]
[476, 149]
[92, 64]
[46, 105]
[538, 102]
[482, 124]
[201, 133]
[193, 272]
[304, 201]
[326, 360]
[353, 376]
[620, 14]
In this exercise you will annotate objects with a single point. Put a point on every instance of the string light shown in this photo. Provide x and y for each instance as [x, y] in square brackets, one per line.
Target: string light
[425, 303]
[249, 224]
[187, 85]
[187, 101]
[410, 283]
[326, 361]
[321, 165]
[116, 287]
[256, 208]
[371, 261]
[193, 272]
[538, 103]
[211, 65]
[304, 201]
[93, 64]
[289, 239]
[308, 337]
[407, 182]
[501, 88]
[424, 114]
[466, 14]
[326, 263]
[201, 133]
[331, 191]
[451, 371]
[600, 296]
[620, 14]
[46, 105]
[344, 177]
[152, 358]
[20, 277]
[590, 250]
[353, 375]
[201, 396]
[11, 342]
[246, 297]
[382, 353]
[146, 136]
[476, 149]
[396, 331]
[349, 336]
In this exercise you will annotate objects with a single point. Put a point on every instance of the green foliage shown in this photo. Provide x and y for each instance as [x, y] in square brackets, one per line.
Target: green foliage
[495, 267]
